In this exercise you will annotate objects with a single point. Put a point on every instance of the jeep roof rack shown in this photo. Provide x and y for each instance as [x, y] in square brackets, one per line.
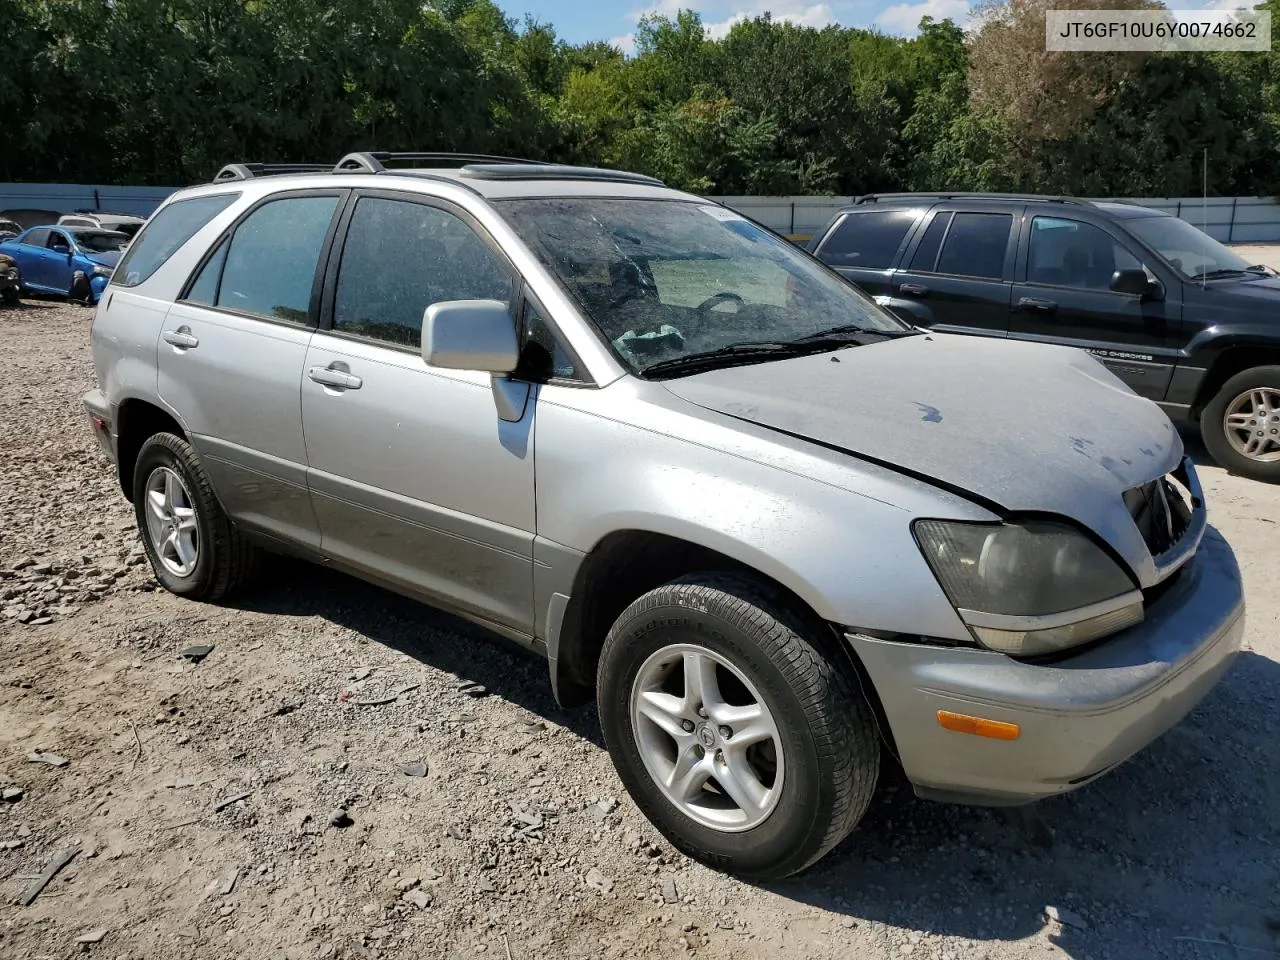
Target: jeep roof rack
[951, 195]
[247, 171]
[554, 171]
[375, 161]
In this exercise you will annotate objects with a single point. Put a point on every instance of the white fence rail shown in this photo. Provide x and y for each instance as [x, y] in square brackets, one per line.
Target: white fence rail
[1230, 219]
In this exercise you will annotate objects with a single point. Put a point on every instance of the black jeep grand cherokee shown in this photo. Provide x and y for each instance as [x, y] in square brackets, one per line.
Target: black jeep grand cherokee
[1179, 317]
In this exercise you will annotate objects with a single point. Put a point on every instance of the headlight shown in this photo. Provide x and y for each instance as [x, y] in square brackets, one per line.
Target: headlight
[1029, 588]
[100, 271]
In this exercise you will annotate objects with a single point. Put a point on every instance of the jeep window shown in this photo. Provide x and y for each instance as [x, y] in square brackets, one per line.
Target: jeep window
[1070, 253]
[975, 245]
[926, 256]
[665, 279]
[168, 230]
[271, 261]
[867, 239]
[1192, 252]
[401, 257]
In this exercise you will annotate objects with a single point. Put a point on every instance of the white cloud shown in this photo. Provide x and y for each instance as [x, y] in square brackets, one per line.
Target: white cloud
[626, 43]
[904, 18]
[790, 11]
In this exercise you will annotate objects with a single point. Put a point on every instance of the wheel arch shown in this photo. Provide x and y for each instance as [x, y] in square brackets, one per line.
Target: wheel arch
[136, 420]
[1233, 359]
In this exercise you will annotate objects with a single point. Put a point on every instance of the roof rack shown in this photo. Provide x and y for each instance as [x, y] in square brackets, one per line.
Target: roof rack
[929, 195]
[554, 171]
[375, 161]
[247, 171]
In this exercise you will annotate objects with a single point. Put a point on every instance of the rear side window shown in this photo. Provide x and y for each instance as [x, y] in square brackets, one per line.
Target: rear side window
[36, 238]
[168, 230]
[976, 245]
[270, 263]
[867, 239]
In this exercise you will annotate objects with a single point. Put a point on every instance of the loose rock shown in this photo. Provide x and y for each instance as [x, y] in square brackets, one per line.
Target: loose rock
[1065, 917]
[598, 881]
[340, 818]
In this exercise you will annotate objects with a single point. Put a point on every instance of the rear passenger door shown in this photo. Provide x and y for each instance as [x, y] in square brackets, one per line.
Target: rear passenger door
[957, 273]
[33, 266]
[231, 357]
[416, 479]
[863, 245]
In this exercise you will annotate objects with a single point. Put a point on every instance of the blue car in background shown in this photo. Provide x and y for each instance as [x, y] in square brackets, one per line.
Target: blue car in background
[70, 261]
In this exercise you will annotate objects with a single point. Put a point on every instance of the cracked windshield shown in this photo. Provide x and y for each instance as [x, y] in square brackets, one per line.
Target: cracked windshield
[668, 281]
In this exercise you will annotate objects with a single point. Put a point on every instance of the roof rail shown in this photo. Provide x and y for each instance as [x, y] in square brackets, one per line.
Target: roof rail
[950, 195]
[375, 161]
[554, 171]
[247, 171]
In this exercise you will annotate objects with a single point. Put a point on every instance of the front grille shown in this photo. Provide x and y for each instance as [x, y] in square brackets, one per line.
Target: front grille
[1161, 509]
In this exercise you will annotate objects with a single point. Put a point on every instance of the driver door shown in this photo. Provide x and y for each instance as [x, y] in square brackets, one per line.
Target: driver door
[57, 261]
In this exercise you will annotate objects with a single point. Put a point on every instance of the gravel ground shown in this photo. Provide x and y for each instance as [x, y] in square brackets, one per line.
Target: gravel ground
[266, 801]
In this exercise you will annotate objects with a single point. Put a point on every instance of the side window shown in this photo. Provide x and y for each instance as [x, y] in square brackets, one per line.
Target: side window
[36, 238]
[271, 261]
[58, 240]
[401, 257]
[168, 230]
[976, 245]
[867, 239]
[543, 356]
[1070, 253]
[205, 288]
[926, 256]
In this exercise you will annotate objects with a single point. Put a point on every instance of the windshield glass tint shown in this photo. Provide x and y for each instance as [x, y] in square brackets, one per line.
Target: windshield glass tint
[1192, 252]
[99, 242]
[664, 279]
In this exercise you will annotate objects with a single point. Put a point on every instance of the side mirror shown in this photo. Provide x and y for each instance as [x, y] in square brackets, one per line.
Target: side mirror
[1132, 282]
[470, 335]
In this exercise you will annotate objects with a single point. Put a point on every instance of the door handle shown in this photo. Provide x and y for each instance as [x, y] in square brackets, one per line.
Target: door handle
[1041, 306]
[338, 379]
[914, 290]
[181, 338]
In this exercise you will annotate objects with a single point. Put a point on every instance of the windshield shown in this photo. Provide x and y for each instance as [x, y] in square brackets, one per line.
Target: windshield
[99, 241]
[1192, 252]
[663, 280]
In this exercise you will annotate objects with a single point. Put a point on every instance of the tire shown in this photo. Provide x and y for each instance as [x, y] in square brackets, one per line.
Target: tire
[223, 559]
[824, 748]
[10, 297]
[1227, 446]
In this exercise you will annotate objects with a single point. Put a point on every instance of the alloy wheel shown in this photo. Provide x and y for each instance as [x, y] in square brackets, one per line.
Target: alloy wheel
[1252, 424]
[171, 522]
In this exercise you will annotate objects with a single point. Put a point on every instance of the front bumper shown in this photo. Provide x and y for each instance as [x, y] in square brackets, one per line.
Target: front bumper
[1079, 716]
[99, 411]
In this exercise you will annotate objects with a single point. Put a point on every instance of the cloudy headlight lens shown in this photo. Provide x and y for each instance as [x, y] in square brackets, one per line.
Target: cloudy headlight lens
[1029, 588]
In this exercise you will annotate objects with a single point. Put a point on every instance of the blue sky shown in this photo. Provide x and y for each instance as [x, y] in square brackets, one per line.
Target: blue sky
[580, 20]
[615, 20]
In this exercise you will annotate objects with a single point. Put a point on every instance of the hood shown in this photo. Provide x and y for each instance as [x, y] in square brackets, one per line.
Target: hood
[1266, 289]
[108, 258]
[1024, 426]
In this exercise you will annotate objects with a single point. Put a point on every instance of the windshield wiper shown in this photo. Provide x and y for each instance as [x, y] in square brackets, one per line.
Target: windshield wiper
[1217, 274]
[753, 350]
[852, 333]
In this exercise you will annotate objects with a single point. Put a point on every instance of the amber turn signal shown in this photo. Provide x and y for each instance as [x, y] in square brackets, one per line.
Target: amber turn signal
[978, 726]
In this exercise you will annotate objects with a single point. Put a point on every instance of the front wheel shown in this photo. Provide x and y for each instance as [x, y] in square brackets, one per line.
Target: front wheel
[737, 737]
[194, 549]
[1241, 424]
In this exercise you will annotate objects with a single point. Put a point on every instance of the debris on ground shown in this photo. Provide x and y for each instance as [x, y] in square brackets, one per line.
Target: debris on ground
[43, 756]
[340, 818]
[198, 652]
[415, 769]
[1067, 918]
[60, 860]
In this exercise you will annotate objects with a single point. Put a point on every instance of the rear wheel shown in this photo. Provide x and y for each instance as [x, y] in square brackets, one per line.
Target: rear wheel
[739, 739]
[194, 549]
[1241, 424]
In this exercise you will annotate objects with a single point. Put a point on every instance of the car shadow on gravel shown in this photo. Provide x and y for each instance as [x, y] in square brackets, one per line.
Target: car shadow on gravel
[1178, 846]
[438, 639]
[1181, 841]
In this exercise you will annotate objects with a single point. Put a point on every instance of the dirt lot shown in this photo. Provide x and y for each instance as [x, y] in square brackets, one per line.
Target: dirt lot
[199, 796]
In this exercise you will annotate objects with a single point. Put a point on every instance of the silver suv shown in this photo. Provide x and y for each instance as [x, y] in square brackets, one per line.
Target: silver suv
[784, 537]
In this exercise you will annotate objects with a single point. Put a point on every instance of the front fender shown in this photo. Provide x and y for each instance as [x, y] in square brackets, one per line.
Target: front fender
[832, 529]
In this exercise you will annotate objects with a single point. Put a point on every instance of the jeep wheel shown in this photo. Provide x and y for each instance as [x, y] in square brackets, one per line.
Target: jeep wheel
[193, 548]
[1241, 425]
[735, 735]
